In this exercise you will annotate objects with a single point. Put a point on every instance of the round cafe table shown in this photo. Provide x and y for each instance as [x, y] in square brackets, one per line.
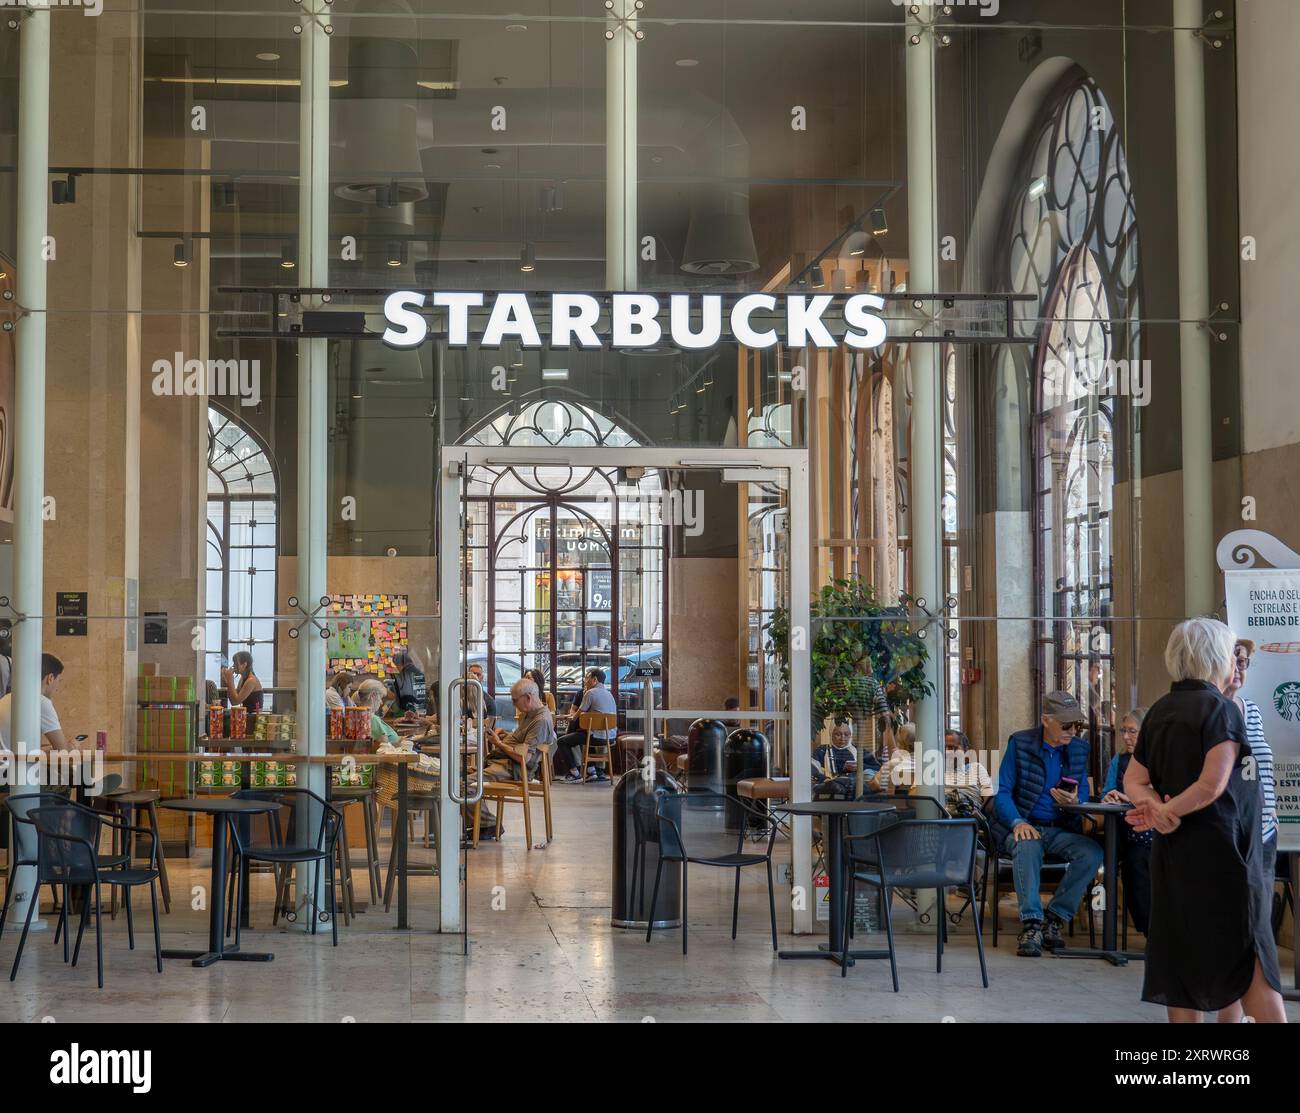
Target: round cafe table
[1113, 817]
[222, 809]
[833, 814]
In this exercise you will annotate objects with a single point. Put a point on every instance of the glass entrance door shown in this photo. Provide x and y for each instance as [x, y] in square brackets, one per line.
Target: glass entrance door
[661, 571]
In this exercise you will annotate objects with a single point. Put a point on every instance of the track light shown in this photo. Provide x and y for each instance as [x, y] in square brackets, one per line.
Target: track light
[64, 193]
[856, 243]
[879, 222]
[287, 260]
[396, 253]
[180, 255]
[528, 258]
[818, 277]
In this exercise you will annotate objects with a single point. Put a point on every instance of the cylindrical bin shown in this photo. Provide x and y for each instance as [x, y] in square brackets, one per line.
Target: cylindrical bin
[744, 755]
[636, 854]
[704, 744]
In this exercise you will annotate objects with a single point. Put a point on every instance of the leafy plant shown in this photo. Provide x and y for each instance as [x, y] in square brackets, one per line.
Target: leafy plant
[853, 634]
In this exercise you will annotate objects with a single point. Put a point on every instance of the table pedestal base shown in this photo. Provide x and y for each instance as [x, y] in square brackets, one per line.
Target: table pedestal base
[229, 954]
[824, 951]
[1115, 958]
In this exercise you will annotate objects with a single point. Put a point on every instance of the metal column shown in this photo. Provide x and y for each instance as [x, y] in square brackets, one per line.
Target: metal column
[313, 395]
[1199, 573]
[927, 382]
[620, 147]
[29, 435]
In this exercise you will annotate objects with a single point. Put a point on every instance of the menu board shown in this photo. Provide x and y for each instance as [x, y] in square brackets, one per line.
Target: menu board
[368, 633]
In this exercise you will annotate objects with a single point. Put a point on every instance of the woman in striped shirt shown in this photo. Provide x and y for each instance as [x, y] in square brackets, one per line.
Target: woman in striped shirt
[1259, 748]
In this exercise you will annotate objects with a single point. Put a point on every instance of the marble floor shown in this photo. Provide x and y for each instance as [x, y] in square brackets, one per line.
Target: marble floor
[541, 949]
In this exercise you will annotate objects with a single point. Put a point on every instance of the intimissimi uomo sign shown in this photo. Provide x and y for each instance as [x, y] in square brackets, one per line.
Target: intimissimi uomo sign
[635, 320]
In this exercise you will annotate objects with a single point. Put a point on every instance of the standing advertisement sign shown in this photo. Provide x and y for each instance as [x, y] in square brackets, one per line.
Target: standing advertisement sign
[1264, 607]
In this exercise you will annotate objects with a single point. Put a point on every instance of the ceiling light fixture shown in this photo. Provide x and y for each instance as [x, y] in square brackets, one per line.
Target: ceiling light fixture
[528, 258]
[818, 277]
[396, 253]
[856, 242]
[180, 255]
[879, 222]
[268, 56]
[287, 260]
[555, 374]
[686, 63]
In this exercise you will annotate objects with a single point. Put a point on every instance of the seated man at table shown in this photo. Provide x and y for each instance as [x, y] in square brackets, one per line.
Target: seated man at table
[598, 699]
[52, 737]
[1043, 767]
[514, 755]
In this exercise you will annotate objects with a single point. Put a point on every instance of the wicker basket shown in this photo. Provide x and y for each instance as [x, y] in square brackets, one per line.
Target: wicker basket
[417, 784]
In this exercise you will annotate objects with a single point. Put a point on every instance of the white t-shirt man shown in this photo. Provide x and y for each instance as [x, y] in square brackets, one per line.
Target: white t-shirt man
[49, 721]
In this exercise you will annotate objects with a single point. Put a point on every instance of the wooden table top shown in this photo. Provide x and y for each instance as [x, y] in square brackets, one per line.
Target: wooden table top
[288, 759]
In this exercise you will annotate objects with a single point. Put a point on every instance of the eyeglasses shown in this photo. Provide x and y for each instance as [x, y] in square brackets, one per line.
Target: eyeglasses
[1243, 662]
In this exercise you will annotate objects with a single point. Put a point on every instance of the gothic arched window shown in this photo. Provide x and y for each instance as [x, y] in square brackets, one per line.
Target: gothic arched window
[242, 533]
[1073, 243]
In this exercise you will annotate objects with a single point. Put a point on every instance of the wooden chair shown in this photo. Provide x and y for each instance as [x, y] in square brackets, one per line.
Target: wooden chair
[521, 792]
[592, 721]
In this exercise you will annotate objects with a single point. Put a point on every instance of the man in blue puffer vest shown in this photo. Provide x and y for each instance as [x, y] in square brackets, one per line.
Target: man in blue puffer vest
[1041, 768]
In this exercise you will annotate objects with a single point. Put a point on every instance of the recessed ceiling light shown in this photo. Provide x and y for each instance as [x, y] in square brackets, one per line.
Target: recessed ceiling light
[268, 56]
[555, 374]
[516, 27]
[492, 166]
[686, 62]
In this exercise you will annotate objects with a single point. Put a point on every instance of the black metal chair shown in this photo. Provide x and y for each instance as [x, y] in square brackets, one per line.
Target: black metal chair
[303, 844]
[693, 829]
[18, 809]
[934, 854]
[66, 849]
[998, 865]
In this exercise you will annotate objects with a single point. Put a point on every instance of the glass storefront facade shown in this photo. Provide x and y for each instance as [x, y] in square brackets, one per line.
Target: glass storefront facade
[1010, 467]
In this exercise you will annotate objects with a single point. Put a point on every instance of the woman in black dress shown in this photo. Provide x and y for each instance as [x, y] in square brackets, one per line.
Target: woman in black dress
[1209, 946]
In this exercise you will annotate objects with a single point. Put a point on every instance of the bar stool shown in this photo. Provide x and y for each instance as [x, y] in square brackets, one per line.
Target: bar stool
[366, 797]
[427, 805]
[131, 806]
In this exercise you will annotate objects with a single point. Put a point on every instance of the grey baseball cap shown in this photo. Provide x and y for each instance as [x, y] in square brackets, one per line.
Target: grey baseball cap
[1063, 707]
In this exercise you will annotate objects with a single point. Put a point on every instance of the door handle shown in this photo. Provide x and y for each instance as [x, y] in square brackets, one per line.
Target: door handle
[451, 751]
[477, 795]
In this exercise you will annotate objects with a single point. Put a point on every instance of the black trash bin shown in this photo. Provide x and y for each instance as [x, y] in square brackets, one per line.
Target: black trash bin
[636, 853]
[745, 755]
[704, 746]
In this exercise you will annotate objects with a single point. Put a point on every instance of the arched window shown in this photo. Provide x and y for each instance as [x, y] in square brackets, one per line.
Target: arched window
[243, 534]
[1073, 243]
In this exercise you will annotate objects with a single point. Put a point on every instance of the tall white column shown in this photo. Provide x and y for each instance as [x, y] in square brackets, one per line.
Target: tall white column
[927, 385]
[1199, 572]
[29, 434]
[620, 149]
[313, 394]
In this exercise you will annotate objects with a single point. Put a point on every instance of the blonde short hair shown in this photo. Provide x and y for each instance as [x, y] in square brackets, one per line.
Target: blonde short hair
[371, 691]
[1201, 649]
[905, 737]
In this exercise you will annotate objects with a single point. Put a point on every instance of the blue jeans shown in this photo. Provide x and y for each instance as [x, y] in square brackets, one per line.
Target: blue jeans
[1082, 855]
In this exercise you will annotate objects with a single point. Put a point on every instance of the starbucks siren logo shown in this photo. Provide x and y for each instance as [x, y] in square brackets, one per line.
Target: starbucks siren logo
[1286, 699]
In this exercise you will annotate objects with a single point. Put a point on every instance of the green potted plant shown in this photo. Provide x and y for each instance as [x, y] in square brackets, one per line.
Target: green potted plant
[854, 633]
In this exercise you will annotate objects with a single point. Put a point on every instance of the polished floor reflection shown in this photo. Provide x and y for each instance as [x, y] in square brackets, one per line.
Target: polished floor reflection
[543, 950]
